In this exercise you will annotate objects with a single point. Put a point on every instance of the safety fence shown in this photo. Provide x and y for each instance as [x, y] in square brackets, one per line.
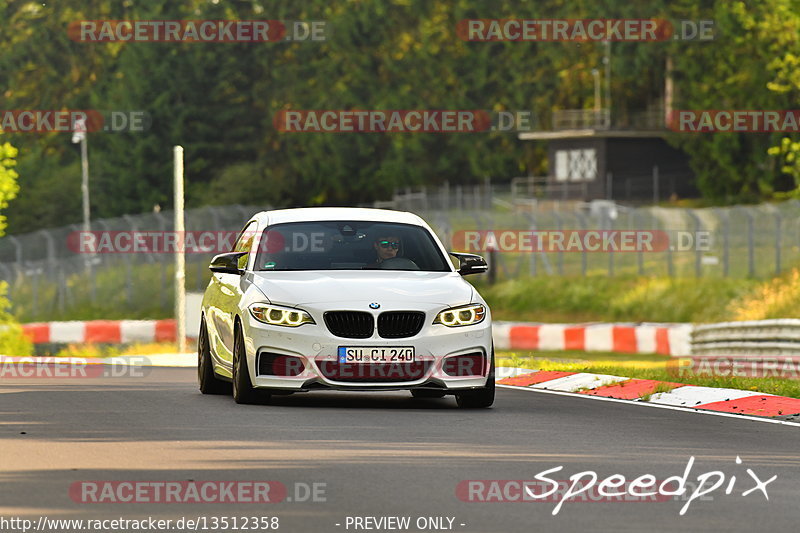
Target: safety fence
[48, 280]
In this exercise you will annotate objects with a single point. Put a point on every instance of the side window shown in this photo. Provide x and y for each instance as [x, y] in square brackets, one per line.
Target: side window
[245, 242]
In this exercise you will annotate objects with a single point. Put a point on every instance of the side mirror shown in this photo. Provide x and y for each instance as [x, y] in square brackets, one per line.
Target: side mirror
[470, 263]
[227, 263]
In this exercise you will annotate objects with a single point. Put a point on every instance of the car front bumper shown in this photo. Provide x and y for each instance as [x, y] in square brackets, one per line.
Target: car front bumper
[318, 350]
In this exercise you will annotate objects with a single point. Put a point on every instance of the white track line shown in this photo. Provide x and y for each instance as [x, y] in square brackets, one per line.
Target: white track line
[659, 406]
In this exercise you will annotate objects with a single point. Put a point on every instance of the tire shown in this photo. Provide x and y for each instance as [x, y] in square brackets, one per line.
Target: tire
[427, 393]
[209, 383]
[243, 391]
[479, 398]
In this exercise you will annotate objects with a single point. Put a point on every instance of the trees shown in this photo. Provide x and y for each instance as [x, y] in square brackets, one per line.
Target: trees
[11, 340]
[219, 99]
[733, 72]
[783, 23]
[8, 179]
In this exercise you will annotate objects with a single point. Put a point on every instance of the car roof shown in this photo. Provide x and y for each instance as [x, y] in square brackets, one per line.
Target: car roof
[308, 214]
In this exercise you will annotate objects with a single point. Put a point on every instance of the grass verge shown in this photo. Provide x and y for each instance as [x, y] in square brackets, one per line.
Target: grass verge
[114, 350]
[643, 299]
[648, 367]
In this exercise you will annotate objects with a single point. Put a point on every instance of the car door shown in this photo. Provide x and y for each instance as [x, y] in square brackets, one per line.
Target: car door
[225, 293]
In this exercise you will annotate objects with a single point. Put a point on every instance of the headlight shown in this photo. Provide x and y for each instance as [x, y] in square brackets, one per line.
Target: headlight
[280, 316]
[465, 315]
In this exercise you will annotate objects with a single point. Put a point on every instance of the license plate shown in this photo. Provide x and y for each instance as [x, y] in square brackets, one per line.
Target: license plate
[381, 354]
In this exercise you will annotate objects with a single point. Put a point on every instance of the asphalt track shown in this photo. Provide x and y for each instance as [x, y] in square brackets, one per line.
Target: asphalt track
[380, 454]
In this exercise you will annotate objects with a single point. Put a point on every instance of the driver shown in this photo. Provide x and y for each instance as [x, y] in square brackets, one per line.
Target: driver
[385, 248]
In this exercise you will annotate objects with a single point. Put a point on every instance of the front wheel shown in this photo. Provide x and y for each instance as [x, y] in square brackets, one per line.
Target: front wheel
[243, 390]
[479, 398]
[208, 381]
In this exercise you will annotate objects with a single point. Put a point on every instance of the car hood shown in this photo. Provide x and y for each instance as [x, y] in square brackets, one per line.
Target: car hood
[312, 287]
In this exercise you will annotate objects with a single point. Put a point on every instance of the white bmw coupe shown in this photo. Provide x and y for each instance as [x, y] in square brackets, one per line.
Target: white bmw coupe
[344, 299]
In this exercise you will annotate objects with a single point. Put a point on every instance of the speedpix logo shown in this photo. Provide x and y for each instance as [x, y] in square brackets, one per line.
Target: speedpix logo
[588, 486]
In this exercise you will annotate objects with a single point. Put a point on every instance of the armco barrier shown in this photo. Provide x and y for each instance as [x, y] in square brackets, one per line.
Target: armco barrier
[753, 339]
[666, 339]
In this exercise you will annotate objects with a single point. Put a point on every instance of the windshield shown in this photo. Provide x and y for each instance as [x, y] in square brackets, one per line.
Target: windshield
[349, 245]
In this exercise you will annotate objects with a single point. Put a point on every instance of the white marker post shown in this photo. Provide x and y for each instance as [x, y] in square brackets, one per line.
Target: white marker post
[180, 259]
[79, 136]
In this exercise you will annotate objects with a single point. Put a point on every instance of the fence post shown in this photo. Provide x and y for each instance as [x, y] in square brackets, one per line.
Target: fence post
[17, 256]
[88, 271]
[492, 266]
[723, 214]
[91, 274]
[655, 184]
[35, 296]
[51, 251]
[162, 226]
[751, 260]
[532, 226]
[778, 239]
[61, 291]
[559, 227]
[584, 225]
[698, 254]
[670, 262]
[639, 252]
[606, 224]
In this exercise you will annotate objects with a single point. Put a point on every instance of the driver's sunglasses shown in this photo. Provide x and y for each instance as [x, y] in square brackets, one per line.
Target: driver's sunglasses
[394, 245]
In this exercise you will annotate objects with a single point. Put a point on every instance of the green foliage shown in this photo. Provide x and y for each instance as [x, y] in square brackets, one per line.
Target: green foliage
[8, 179]
[12, 341]
[219, 100]
[623, 298]
[731, 72]
[785, 16]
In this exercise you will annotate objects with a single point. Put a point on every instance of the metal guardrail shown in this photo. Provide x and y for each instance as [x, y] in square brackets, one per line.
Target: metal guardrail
[778, 338]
